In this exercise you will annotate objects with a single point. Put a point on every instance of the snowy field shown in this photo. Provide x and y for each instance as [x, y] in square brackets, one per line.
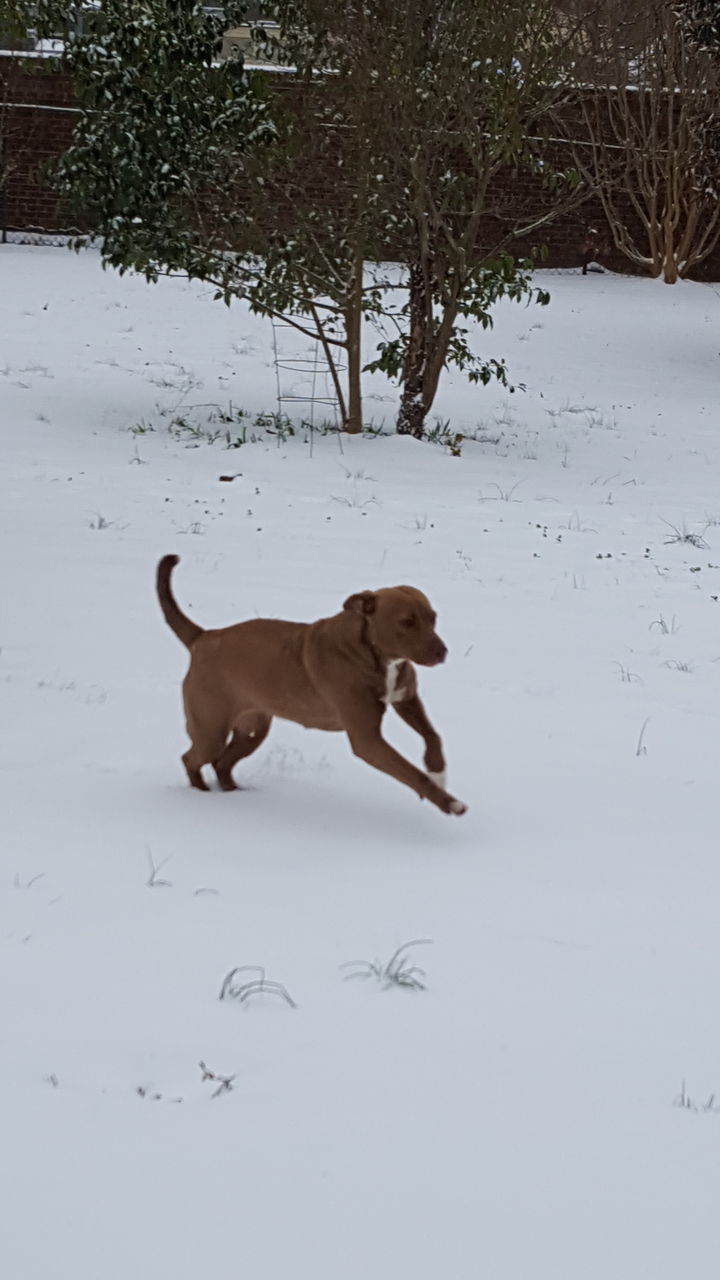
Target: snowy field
[517, 1120]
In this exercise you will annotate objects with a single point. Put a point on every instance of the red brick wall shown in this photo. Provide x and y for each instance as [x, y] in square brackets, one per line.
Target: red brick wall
[41, 125]
[36, 129]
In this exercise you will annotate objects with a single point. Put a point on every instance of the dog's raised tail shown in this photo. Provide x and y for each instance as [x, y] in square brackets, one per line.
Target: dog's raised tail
[178, 622]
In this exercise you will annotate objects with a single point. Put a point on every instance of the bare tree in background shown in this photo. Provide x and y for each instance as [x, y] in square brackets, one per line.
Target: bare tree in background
[650, 111]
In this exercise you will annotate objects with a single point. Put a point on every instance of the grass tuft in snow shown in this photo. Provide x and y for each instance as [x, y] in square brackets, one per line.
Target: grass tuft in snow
[246, 990]
[152, 881]
[442, 433]
[502, 495]
[395, 972]
[99, 522]
[686, 535]
[626, 675]
[357, 503]
[665, 628]
[576, 525]
[685, 1102]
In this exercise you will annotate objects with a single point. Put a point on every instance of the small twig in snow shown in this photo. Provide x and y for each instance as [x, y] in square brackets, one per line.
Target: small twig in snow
[27, 884]
[641, 749]
[224, 1083]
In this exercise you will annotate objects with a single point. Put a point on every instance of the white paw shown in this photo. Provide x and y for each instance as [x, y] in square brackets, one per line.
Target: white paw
[458, 807]
[440, 779]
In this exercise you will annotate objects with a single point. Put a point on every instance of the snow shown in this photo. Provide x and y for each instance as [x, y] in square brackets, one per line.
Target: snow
[43, 49]
[518, 1118]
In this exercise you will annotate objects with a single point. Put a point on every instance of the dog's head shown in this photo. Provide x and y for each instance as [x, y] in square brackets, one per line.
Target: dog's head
[401, 624]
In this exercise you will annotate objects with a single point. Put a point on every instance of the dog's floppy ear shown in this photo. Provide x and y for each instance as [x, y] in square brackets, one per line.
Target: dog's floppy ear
[361, 602]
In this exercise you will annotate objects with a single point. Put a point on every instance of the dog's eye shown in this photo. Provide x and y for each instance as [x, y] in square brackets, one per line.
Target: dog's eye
[407, 623]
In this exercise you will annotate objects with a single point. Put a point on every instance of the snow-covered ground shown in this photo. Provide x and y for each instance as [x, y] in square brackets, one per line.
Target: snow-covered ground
[519, 1118]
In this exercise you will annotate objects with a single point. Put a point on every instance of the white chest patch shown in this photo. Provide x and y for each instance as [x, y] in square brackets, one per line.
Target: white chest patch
[392, 693]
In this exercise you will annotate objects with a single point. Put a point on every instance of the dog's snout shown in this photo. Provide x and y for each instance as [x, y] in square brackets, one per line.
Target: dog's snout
[439, 651]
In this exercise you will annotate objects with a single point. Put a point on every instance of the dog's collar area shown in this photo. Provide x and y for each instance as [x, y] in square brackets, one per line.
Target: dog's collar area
[379, 662]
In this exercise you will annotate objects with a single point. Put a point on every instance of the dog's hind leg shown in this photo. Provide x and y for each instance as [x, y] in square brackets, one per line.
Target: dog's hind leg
[247, 736]
[208, 742]
[193, 771]
[194, 759]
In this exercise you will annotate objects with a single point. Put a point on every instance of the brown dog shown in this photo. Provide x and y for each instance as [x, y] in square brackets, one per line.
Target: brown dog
[338, 673]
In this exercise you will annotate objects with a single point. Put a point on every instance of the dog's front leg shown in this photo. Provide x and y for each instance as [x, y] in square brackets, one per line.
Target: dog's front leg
[362, 722]
[412, 711]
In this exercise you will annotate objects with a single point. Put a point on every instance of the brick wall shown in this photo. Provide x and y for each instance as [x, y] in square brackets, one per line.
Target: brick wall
[40, 126]
[34, 130]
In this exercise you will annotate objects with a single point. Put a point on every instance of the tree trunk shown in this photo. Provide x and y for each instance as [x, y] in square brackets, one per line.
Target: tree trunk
[353, 336]
[353, 301]
[670, 271]
[353, 424]
[411, 418]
